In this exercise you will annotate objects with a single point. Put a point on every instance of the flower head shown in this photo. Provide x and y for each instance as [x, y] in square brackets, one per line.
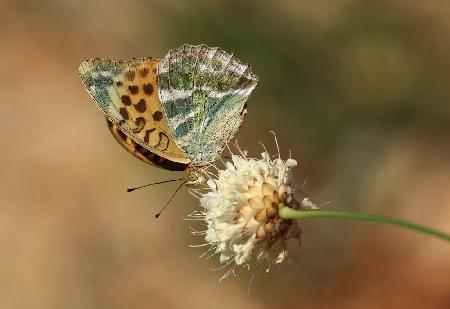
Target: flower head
[241, 211]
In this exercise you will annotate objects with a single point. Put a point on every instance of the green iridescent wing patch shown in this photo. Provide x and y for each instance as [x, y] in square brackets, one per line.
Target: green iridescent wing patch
[203, 92]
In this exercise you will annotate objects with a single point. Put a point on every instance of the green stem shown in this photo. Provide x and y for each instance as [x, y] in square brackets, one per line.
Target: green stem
[289, 213]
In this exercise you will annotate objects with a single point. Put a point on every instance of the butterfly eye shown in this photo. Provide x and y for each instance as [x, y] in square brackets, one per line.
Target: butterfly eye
[192, 176]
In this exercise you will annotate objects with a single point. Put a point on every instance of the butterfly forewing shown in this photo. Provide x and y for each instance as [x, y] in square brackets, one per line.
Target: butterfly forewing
[125, 92]
[143, 153]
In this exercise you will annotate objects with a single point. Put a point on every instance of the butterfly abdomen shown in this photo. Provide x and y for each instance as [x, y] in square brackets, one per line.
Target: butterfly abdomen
[143, 153]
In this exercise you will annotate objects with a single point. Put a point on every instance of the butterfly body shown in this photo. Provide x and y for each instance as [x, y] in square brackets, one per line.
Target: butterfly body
[174, 113]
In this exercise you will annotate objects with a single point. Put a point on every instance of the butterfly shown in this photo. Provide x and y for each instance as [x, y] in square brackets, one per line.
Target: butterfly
[177, 113]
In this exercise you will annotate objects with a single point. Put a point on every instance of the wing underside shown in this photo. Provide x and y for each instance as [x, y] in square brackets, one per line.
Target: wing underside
[126, 93]
[142, 153]
[203, 92]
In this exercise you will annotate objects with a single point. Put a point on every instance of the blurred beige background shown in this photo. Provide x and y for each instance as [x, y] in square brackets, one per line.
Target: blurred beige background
[359, 92]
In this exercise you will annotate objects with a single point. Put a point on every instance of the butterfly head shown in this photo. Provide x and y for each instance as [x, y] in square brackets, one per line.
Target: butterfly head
[194, 177]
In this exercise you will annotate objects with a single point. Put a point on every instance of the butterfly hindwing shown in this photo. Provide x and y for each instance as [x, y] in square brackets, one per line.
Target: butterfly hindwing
[203, 92]
[126, 92]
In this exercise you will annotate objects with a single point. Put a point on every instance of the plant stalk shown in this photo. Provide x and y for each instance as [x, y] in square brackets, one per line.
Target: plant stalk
[289, 213]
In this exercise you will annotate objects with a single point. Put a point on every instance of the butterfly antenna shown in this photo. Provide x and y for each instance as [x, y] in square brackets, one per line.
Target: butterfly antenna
[171, 198]
[154, 183]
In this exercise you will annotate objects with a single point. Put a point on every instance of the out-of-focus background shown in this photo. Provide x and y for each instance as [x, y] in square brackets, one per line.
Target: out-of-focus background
[358, 91]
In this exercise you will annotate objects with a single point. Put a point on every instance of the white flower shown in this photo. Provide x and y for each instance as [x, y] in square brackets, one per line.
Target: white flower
[241, 211]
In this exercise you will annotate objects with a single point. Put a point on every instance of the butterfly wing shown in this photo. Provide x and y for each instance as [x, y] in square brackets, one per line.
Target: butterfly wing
[142, 153]
[203, 92]
[125, 92]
